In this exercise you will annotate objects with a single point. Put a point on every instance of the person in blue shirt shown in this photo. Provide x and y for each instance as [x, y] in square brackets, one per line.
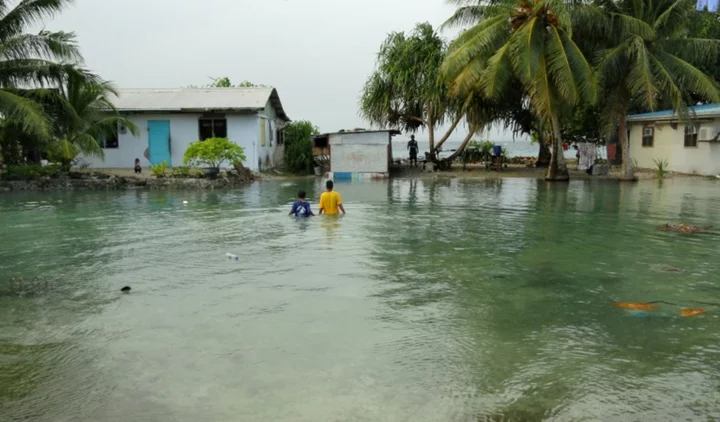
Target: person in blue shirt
[301, 208]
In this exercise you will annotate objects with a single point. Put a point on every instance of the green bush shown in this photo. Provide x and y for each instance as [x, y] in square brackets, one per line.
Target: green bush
[31, 171]
[213, 152]
[160, 169]
[299, 146]
[185, 172]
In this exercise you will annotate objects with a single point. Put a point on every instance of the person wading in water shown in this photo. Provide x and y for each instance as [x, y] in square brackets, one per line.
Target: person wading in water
[412, 146]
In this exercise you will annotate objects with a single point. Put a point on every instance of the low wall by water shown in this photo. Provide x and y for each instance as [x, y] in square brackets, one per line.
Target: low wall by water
[119, 182]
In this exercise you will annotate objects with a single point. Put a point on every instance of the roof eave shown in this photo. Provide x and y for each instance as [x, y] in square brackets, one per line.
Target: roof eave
[673, 118]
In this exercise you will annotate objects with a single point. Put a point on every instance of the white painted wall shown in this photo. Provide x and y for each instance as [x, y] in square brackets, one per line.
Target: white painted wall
[669, 144]
[360, 152]
[242, 129]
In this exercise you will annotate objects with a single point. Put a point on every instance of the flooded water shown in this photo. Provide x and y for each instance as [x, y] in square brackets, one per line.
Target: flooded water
[429, 301]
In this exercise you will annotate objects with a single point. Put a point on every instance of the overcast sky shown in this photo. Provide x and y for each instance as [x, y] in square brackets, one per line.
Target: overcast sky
[317, 53]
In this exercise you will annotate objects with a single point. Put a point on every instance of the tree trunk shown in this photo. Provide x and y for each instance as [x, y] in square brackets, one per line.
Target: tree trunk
[557, 171]
[431, 133]
[544, 154]
[448, 133]
[627, 172]
[462, 146]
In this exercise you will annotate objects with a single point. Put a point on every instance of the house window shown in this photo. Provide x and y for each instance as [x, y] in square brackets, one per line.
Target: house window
[648, 136]
[280, 136]
[212, 128]
[691, 135]
[110, 141]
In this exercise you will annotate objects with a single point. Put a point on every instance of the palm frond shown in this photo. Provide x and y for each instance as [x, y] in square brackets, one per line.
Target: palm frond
[60, 46]
[28, 13]
[640, 79]
[558, 65]
[527, 45]
[691, 78]
[631, 25]
[498, 73]
[25, 112]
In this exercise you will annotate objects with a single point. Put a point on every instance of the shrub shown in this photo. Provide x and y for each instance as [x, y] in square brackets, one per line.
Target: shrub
[31, 171]
[299, 146]
[160, 169]
[660, 168]
[182, 171]
[213, 152]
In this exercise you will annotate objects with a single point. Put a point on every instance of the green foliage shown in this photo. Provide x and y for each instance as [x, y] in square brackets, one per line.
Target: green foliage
[661, 168]
[32, 60]
[298, 146]
[477, 151]
[405, 87]
[213, 153]
[31, 171]
[160, 169]
[184, 172]
[64, 152]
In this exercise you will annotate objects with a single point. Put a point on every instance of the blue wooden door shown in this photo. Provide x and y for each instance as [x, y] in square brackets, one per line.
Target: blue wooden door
[159, 141]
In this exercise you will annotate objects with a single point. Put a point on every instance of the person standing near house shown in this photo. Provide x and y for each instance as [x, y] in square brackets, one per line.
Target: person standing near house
[330, 201]
[412, 146]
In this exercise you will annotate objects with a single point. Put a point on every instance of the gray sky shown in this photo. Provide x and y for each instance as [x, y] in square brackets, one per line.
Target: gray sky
[317, 53]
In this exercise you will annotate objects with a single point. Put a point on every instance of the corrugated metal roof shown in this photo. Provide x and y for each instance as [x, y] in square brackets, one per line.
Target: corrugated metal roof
[705, 110]
[197, 99]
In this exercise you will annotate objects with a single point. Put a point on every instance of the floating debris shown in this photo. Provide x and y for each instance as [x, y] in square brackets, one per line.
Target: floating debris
[682, 228]
[691, 312]
[636, 306]
[126, 289]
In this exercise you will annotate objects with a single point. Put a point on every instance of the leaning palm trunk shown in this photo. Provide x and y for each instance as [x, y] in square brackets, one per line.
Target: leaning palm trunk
[557, 171]
[626, 166]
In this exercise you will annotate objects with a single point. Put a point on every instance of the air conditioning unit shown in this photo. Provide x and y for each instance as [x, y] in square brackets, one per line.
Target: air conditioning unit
[707, 134]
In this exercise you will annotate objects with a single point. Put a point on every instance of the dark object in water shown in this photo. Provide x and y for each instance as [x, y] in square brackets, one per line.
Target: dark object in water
[125, 289]
[682, 228]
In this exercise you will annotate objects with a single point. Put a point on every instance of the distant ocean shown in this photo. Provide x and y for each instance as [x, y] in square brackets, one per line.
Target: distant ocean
[518, 148]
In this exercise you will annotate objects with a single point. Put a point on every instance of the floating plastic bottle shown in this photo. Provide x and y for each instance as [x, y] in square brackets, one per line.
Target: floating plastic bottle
[231, 256]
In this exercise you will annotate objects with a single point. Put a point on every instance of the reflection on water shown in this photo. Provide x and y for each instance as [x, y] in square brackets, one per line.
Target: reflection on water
[438, 300]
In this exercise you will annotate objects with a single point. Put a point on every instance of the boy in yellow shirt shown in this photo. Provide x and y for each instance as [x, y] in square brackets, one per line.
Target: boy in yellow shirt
[330, 201]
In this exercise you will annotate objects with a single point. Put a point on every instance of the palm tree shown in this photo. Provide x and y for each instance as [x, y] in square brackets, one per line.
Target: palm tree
[405, 91]
[82, 116]
[648, 60]
[32, 60]
[525, 40]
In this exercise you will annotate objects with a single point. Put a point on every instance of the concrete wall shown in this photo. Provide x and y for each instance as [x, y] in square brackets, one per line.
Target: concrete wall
[243, 129]
[267, 154]
[360, 152]
[669, 144]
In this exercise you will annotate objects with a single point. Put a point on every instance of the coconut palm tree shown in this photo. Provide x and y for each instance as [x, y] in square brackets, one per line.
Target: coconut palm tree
[82, 115]
[529, 41]
[32, 60]
[648, 61]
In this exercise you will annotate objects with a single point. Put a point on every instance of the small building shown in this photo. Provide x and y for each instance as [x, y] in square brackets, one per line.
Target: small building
[691, 147]
[168, 120]
[357, 152]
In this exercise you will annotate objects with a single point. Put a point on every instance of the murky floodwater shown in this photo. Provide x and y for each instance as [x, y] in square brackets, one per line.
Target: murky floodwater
[429, 301]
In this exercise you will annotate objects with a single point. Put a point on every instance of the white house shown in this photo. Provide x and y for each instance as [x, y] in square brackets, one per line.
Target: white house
[691, 147]
[168, 120]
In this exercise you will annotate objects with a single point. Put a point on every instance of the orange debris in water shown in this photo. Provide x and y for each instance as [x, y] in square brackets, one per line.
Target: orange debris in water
[691, 312]
[636, 306]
